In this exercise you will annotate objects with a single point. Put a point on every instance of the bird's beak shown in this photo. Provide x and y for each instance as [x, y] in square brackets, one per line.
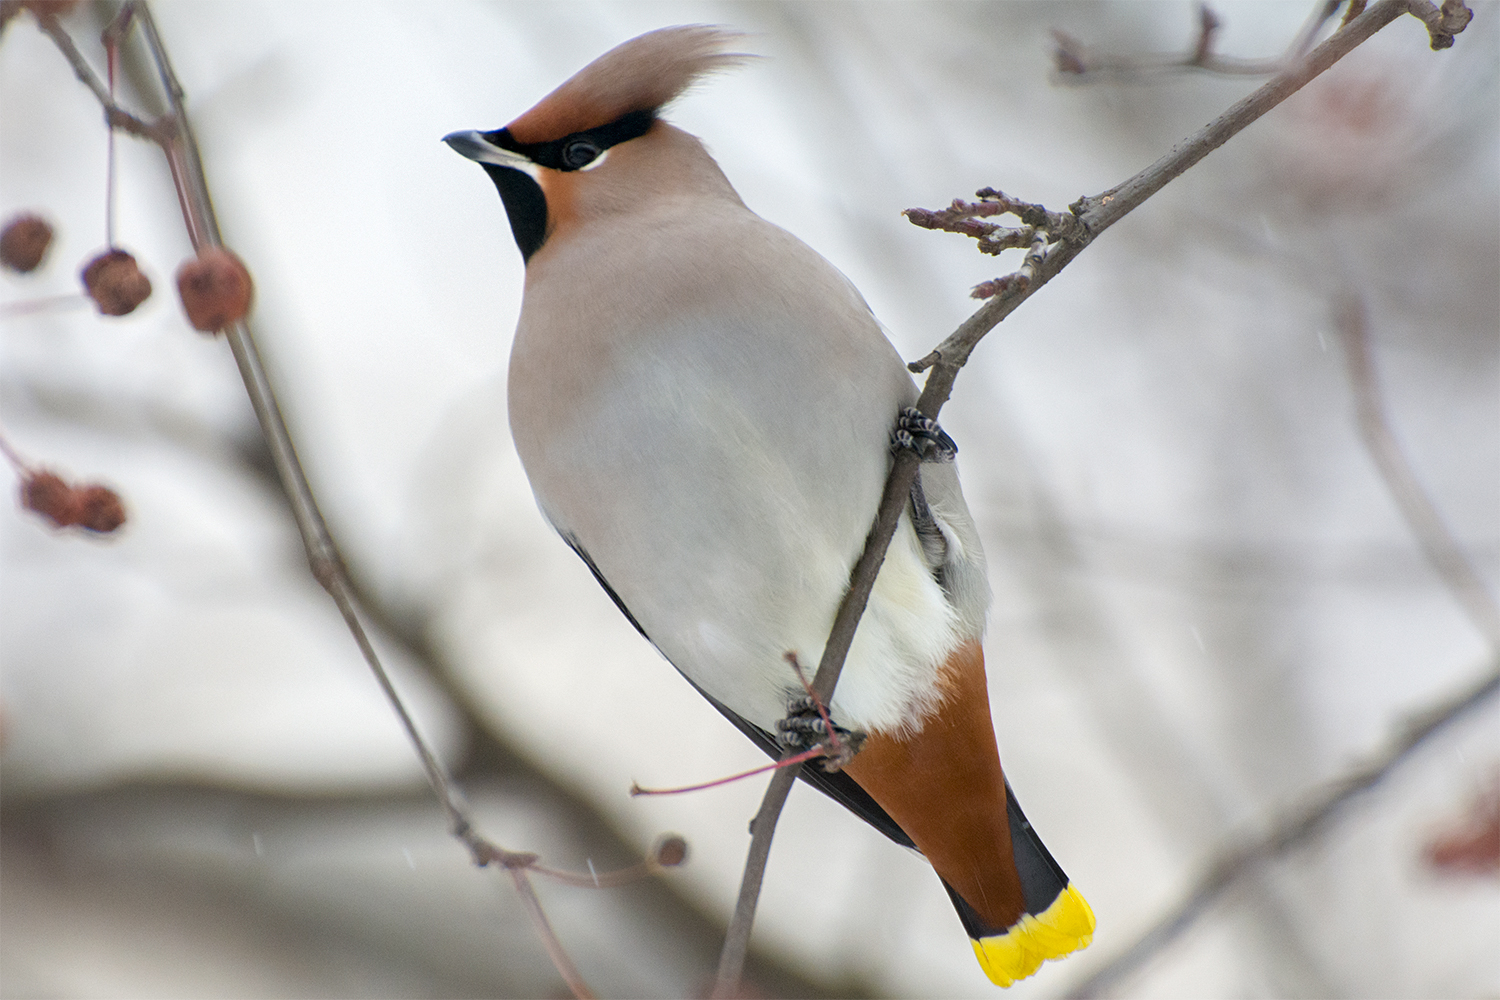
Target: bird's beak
[476, 147]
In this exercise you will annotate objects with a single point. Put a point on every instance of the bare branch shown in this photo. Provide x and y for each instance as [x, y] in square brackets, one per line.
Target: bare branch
[1422, 516]
[25, 307]
[762, 829]
[1098, 212]
[323, 556]
[555, 950]
[1293, 828]
[1442, 23]
[1095, 215]
[1076, 64]
[1322, 12]
[22, 467]
[174, 133]
[114, 115]
[668, 852]
[818, 751]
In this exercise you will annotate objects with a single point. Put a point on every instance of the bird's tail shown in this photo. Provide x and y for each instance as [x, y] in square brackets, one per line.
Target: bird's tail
[944, 787]
[1057, 921]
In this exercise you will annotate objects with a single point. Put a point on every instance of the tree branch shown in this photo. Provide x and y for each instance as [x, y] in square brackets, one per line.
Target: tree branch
[173, 133]
[1422, 516]
[114, 115]
[1294, 827]
[1075, 64]
[555, 951]
[323, 556]
[1095, 214]
[181, 148]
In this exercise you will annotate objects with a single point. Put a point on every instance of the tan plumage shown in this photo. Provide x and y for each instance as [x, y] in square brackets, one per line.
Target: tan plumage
[703, 407]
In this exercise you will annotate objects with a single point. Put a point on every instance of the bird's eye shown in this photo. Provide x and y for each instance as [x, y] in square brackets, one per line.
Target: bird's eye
[579, 153]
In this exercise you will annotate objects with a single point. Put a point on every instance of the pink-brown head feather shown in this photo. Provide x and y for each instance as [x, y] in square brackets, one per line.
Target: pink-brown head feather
[642, 74]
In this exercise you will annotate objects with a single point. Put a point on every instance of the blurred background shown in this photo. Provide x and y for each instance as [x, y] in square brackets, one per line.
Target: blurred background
[1207, 601]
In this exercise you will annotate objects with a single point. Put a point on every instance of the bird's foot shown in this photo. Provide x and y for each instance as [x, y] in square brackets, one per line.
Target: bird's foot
[921, 434]
[804, 728]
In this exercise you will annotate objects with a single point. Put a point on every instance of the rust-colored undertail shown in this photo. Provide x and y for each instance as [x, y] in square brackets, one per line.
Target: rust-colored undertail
[944, 787]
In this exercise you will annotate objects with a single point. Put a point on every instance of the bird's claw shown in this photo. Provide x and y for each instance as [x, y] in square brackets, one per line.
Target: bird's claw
[804, 728]
[919, 433]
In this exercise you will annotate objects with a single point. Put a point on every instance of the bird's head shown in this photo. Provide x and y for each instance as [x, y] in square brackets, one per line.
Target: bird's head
[596, 143]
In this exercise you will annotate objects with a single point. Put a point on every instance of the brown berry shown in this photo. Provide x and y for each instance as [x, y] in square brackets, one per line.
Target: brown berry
[99, 509]
[50, 496]
[115, 282]
[93, 507]
[24, 242]
[671, 851]
[215, 289]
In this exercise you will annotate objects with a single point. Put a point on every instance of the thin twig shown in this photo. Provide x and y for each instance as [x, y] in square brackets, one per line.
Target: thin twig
[1096, 214]
[112, 55]
[1322, 13]
[806, 755]
[26, 307]
[1293, 828]
[1422, 516]
[173, 133]
[1076, 64]
[323, 556]
[114, 115]
[560, 959]
[668, 852]
[22, 467]
[737, 937]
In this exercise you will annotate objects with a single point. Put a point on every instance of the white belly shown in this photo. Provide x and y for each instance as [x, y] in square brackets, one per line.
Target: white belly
[722, 474]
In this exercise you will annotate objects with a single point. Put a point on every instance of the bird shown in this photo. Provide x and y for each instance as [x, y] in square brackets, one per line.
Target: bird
[704, 407]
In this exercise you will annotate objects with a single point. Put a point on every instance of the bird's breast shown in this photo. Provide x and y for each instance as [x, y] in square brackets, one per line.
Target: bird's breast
[706, 413]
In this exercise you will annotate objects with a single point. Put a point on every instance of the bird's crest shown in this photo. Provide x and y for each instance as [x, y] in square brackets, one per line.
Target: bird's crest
[642, 74]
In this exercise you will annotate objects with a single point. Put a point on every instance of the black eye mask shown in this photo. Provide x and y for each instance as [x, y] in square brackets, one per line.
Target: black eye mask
[576, 151]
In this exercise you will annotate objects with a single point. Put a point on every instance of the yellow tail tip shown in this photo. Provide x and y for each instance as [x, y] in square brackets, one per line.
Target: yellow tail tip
[1062, 928]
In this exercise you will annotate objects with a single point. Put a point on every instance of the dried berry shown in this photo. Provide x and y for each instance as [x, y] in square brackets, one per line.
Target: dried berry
[671, 851]
[24, 242]
[215, 289]
[115, 282]
[92, 507]
[50, 496]
[99, 509]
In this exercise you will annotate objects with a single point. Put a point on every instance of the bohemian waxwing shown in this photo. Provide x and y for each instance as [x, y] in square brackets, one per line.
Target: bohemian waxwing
[704, 407]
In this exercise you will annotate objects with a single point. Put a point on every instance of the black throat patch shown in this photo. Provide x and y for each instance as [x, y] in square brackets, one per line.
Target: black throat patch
[525, 204]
